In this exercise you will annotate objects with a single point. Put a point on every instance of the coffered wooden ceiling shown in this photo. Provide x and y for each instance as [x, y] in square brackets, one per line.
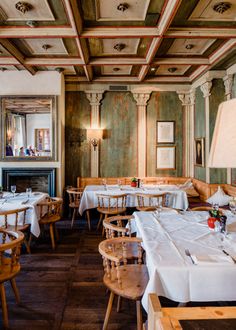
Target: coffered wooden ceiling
[130, 41]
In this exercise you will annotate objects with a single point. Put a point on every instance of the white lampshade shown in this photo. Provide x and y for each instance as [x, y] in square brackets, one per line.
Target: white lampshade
[223, 147]
[94, 133]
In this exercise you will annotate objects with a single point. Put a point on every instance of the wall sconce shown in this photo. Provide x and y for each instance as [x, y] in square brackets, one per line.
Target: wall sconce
[94, 135]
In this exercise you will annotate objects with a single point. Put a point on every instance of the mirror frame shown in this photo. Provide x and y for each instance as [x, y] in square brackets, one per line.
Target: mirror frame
[3, 111]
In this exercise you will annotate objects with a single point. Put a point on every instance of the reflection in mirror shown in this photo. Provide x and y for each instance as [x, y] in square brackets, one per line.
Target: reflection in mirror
[29, 127]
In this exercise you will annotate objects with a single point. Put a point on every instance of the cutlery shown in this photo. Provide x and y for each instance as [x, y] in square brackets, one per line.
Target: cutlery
[187, 252]
[25, 202]
[234, 260]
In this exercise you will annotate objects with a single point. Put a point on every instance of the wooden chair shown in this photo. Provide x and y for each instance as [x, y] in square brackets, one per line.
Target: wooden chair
[204, 208]
[10, 245]
[110, 205]
[75, 195]
[149, 202]
[17, 217]
[50, 213]
[123, 279]
[164, 318]
[117, 226]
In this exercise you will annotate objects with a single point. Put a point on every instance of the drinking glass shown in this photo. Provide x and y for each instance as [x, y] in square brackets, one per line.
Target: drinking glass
[232, 206]
[28, 192]
[13, 190]
[119, 183]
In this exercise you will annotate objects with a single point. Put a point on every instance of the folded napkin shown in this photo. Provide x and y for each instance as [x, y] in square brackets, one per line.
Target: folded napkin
[211, 259]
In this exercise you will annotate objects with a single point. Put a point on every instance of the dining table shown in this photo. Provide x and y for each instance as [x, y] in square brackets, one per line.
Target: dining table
[176, 198]
[186, 260]
[11, 201]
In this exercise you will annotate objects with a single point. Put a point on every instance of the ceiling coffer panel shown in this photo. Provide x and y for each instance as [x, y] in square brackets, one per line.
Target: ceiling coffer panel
[120, 46]
[116, 70]
[45, 46]
[117, 10]
[33, 10]
[214, 10]
[190, 46]
[167, 70]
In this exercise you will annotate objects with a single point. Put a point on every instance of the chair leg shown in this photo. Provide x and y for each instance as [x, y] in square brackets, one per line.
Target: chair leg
[27, 245]
[15, 290]
[30, 239]
[88, 219]
[52, 235]
[108, 312]
[56, 232]
[73, 217]
[103, 229]
[100, 220]
[139, 315]
[118, 304]
[4, 306]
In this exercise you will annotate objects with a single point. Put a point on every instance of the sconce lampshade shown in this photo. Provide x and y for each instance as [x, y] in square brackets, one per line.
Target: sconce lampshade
[223, 147]
[94, 133]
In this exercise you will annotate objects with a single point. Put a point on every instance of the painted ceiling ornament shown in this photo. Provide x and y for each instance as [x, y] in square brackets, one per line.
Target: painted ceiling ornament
[46, 46]
[59, 69]
[172, 70]
[116, 69]
[3, 69]
[119, 47]
[23, 7]
[122, 6]
[221, 7]
[189, 46]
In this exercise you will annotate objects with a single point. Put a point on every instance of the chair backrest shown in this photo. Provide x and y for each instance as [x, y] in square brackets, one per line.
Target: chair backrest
[117, 226]
[204, 208]
[50, 206]
[75, 195]
[16, 217]
[10, 245]
[113, 202]
[151, 200]
[114, 253]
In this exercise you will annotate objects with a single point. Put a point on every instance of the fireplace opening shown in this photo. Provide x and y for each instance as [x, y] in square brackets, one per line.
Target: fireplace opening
[42, 180]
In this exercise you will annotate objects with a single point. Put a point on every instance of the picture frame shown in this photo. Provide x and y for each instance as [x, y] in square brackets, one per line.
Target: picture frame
[165, 131]
[165, 158]
[200, 152]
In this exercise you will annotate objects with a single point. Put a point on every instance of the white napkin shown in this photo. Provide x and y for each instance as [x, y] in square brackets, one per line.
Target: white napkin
[211, 259]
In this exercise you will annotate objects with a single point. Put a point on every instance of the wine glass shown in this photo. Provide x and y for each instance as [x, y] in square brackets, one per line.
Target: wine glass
[13, 190]
[104, 182]
[119, 183]
[28, 192]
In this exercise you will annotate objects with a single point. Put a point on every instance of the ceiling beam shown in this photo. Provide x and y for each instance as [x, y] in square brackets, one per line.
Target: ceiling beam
[8, 46]
[74, 15]
[200, 32]
[38, 32]
[182, 61]
[121, 32]
[118, 61]
[53, 61]
[143, 72]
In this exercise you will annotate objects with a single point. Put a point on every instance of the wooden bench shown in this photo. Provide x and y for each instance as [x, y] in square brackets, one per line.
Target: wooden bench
[164, 318]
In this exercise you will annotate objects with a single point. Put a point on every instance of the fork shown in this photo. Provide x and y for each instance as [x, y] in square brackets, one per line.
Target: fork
[188, 254]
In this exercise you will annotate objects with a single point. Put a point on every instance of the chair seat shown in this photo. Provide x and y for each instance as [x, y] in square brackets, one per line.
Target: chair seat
[19, 227]
[6, 271]
[111, 210]
[74, 205]
[134, 281]
[146, 208]
[49, 219]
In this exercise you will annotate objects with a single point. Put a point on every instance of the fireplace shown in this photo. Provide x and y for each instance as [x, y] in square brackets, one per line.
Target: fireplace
[40, 179]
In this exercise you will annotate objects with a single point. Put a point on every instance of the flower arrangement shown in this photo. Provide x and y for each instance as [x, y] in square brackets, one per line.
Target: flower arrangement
[134, 182]
[134, 179]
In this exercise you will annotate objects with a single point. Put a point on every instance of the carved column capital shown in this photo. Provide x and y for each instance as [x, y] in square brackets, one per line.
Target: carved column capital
[228, 82]
[94, 97]
[141, 98]
[184, 98]
[206, 88]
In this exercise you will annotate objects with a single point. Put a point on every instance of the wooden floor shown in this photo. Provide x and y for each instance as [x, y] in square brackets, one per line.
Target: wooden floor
[63, 290]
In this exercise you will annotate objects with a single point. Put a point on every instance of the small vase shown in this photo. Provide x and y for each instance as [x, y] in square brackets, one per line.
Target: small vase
[211, 222]
[133, 184]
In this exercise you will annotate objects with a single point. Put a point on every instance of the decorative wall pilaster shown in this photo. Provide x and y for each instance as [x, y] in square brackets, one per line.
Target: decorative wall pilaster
[228, 82]
[188, 101]
[206, 88]
[95, 99]
[142, 99]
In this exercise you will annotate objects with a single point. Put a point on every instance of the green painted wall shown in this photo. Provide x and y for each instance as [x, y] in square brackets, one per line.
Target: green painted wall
[118, 153]
[77, 119]
[164, 106]
[217, 96]
[199, 129]
[233, 178]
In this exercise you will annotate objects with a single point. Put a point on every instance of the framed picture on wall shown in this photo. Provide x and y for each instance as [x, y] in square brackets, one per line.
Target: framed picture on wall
[166, 158]
[200, 152]
[165, 132]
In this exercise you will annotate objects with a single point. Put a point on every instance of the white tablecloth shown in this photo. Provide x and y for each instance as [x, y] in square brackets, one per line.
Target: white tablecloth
[172, 273]
[177, 198]
[20, 201]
